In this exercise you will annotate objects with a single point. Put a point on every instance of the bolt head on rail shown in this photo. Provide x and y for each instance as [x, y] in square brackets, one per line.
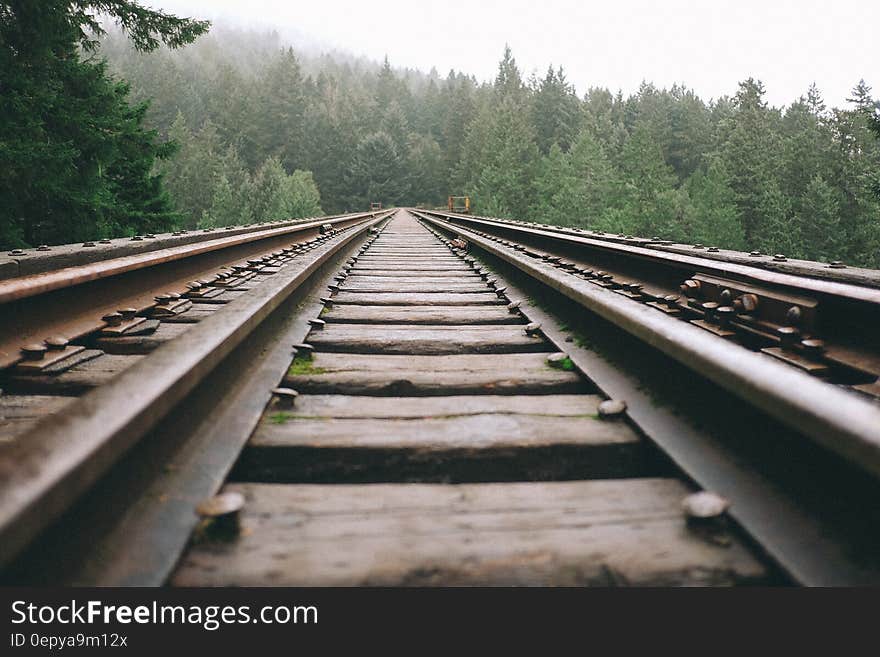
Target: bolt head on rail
[611, 408]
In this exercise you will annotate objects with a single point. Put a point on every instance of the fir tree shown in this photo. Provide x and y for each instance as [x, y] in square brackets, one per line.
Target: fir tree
[76, 161]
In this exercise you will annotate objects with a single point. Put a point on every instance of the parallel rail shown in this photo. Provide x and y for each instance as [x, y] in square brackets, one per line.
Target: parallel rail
[819, 327]
[647, 297]
[791, 341]
[98, 281]
[43, 473]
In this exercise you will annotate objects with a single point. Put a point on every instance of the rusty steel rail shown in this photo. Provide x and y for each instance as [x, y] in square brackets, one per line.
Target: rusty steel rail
[70, 302]
[41, 283]
[806, 535]
[755, 260]
[841, 420]
[26, 262]
[824, 326]
[45, 472]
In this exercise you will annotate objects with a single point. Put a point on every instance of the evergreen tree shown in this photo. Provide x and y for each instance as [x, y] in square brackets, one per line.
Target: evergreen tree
[266, 195]
[819, 223]
[277, 121]
[395, 125]
[556, 199]
[331, 136]
[596, 179]
[508, 81]
[229, 206]
[751, 154]
[456, 121]
[300, 196]
[555, 111]
[76, 161]
[427, 177]
[201, 163]
[647, 197]
[733, 172]
[713, 217]
[503, 181]
[378, 172]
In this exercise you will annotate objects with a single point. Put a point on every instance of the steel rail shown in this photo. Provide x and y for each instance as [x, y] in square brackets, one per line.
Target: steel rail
[25, 262]
[34, 284]
[71, 302]
[47, 469]
[805, 542]
[836, 271]
[837, 419]
[677, 260]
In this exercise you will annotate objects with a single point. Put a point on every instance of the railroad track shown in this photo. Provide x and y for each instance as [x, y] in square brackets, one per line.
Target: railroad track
[420, 398]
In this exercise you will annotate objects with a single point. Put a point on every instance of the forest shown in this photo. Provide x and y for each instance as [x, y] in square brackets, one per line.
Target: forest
[238, 127]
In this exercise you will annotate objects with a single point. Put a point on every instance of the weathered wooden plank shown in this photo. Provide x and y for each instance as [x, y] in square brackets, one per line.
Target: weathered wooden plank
[467, 435]
[397, 272]
[416, 299]
[418, 246]
[142, 344]
[420, 315]
[18, 413]
[612, 532]
[459, 438]
[415, 254]
[371, 254]
[383, 261]
[78, 379]
[460, 287]
[424, 278]
[413, 408]
[430, 248]
[431, 375]
[414, 339]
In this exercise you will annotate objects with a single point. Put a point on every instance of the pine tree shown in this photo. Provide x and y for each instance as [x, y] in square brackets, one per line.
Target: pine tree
[331, 136]
[267, 191]
[201, 162]
[395, 125]
[556, 190]
[427, 177]
[819, 222]
[508, 81]
[503, 183]
[226, 206]
[751, 153]
[76, 161]
[277, 121]
[378, 172]
[300, 196]
[713, 217]
[647, 199]
[596, 179]
[555, 111]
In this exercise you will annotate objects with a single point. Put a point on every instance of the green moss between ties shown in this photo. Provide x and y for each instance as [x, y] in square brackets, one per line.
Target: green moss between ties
[304, 367]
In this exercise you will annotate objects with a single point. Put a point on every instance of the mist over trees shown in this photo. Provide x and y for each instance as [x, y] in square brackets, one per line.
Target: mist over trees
[261, 131]
[733, 172]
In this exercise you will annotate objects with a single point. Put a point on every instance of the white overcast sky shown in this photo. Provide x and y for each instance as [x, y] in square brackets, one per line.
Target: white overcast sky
[708, 45]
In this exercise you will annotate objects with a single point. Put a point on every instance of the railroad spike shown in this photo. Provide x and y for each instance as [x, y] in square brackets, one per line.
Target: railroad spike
[222, 512]
[286, 397]
[611, 408]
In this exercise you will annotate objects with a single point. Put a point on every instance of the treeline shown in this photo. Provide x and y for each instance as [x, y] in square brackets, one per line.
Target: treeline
[236, 128]
[76, 162]
[734, 172]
